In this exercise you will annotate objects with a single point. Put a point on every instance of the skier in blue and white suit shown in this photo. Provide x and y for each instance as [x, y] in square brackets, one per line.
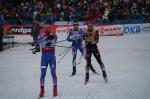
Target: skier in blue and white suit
[76, 36]
[48, 57]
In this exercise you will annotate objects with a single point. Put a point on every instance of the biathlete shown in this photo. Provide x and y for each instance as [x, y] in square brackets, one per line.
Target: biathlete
[76, 36]
[91, 40]
[46, 42]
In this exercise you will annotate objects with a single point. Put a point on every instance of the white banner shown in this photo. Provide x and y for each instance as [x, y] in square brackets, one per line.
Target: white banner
[107, 30]
[110, 30]
[146, 28]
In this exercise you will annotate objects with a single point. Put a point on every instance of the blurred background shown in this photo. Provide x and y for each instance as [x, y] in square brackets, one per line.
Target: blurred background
[49, 11]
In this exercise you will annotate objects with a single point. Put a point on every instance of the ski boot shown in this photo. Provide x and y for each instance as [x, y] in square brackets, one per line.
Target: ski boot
[74, 71]
[55, 93]
[86, 78]
[41, 92]
[104, 76]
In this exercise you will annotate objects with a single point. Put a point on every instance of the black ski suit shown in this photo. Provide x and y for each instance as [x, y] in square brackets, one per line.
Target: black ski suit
[91, 41]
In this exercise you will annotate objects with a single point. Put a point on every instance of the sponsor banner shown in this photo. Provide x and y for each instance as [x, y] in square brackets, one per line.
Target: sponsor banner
[17, 29]
[133, 28]
[65, 29]
[24, 29]
[107, 30]
[146, 28]
[110, 30]
[104, 30]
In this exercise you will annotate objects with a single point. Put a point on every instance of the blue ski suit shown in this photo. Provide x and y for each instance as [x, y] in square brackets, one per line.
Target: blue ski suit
[76, 37]
[48, 57]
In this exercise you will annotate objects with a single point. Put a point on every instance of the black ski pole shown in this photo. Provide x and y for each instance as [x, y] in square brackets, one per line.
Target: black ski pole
[64, 55]
[61, 46]
[60, 41]
[63, 52]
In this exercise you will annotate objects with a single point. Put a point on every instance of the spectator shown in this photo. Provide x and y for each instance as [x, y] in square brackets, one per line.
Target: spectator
[35, 33]
[69, 10]
[105, 16]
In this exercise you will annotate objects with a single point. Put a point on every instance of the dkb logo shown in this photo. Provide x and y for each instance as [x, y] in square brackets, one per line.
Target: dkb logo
[132, 30]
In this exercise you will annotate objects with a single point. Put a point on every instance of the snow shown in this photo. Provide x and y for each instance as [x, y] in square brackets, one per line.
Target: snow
[126, 58]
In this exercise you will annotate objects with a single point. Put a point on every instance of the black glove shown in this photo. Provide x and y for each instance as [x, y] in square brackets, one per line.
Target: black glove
[50, 37]
[48, 44]
[78, 40]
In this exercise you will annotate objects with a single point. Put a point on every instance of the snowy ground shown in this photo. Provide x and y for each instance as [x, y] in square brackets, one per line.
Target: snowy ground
[127, 61]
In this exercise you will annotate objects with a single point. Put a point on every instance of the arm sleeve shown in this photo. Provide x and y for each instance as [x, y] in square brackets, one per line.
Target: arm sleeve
[69, 37]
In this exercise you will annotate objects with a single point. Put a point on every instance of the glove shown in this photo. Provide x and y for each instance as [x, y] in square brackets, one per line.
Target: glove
[48, 44]
[50, 37]
[78, 40]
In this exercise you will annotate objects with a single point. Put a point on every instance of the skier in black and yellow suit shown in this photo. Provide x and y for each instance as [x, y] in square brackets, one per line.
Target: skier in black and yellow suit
[91, 40]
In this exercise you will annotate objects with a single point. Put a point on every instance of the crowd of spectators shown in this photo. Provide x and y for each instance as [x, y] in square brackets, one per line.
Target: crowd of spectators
[49, 11]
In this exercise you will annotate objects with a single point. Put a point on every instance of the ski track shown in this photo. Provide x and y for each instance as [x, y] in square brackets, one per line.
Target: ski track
[126, 59]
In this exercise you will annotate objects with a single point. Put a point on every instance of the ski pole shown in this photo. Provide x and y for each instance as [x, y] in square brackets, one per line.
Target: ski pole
[53, 44]
[63, 52]
[79, 61]
[81, 56]
[61, 46]
[64, 55]
[60, 41]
